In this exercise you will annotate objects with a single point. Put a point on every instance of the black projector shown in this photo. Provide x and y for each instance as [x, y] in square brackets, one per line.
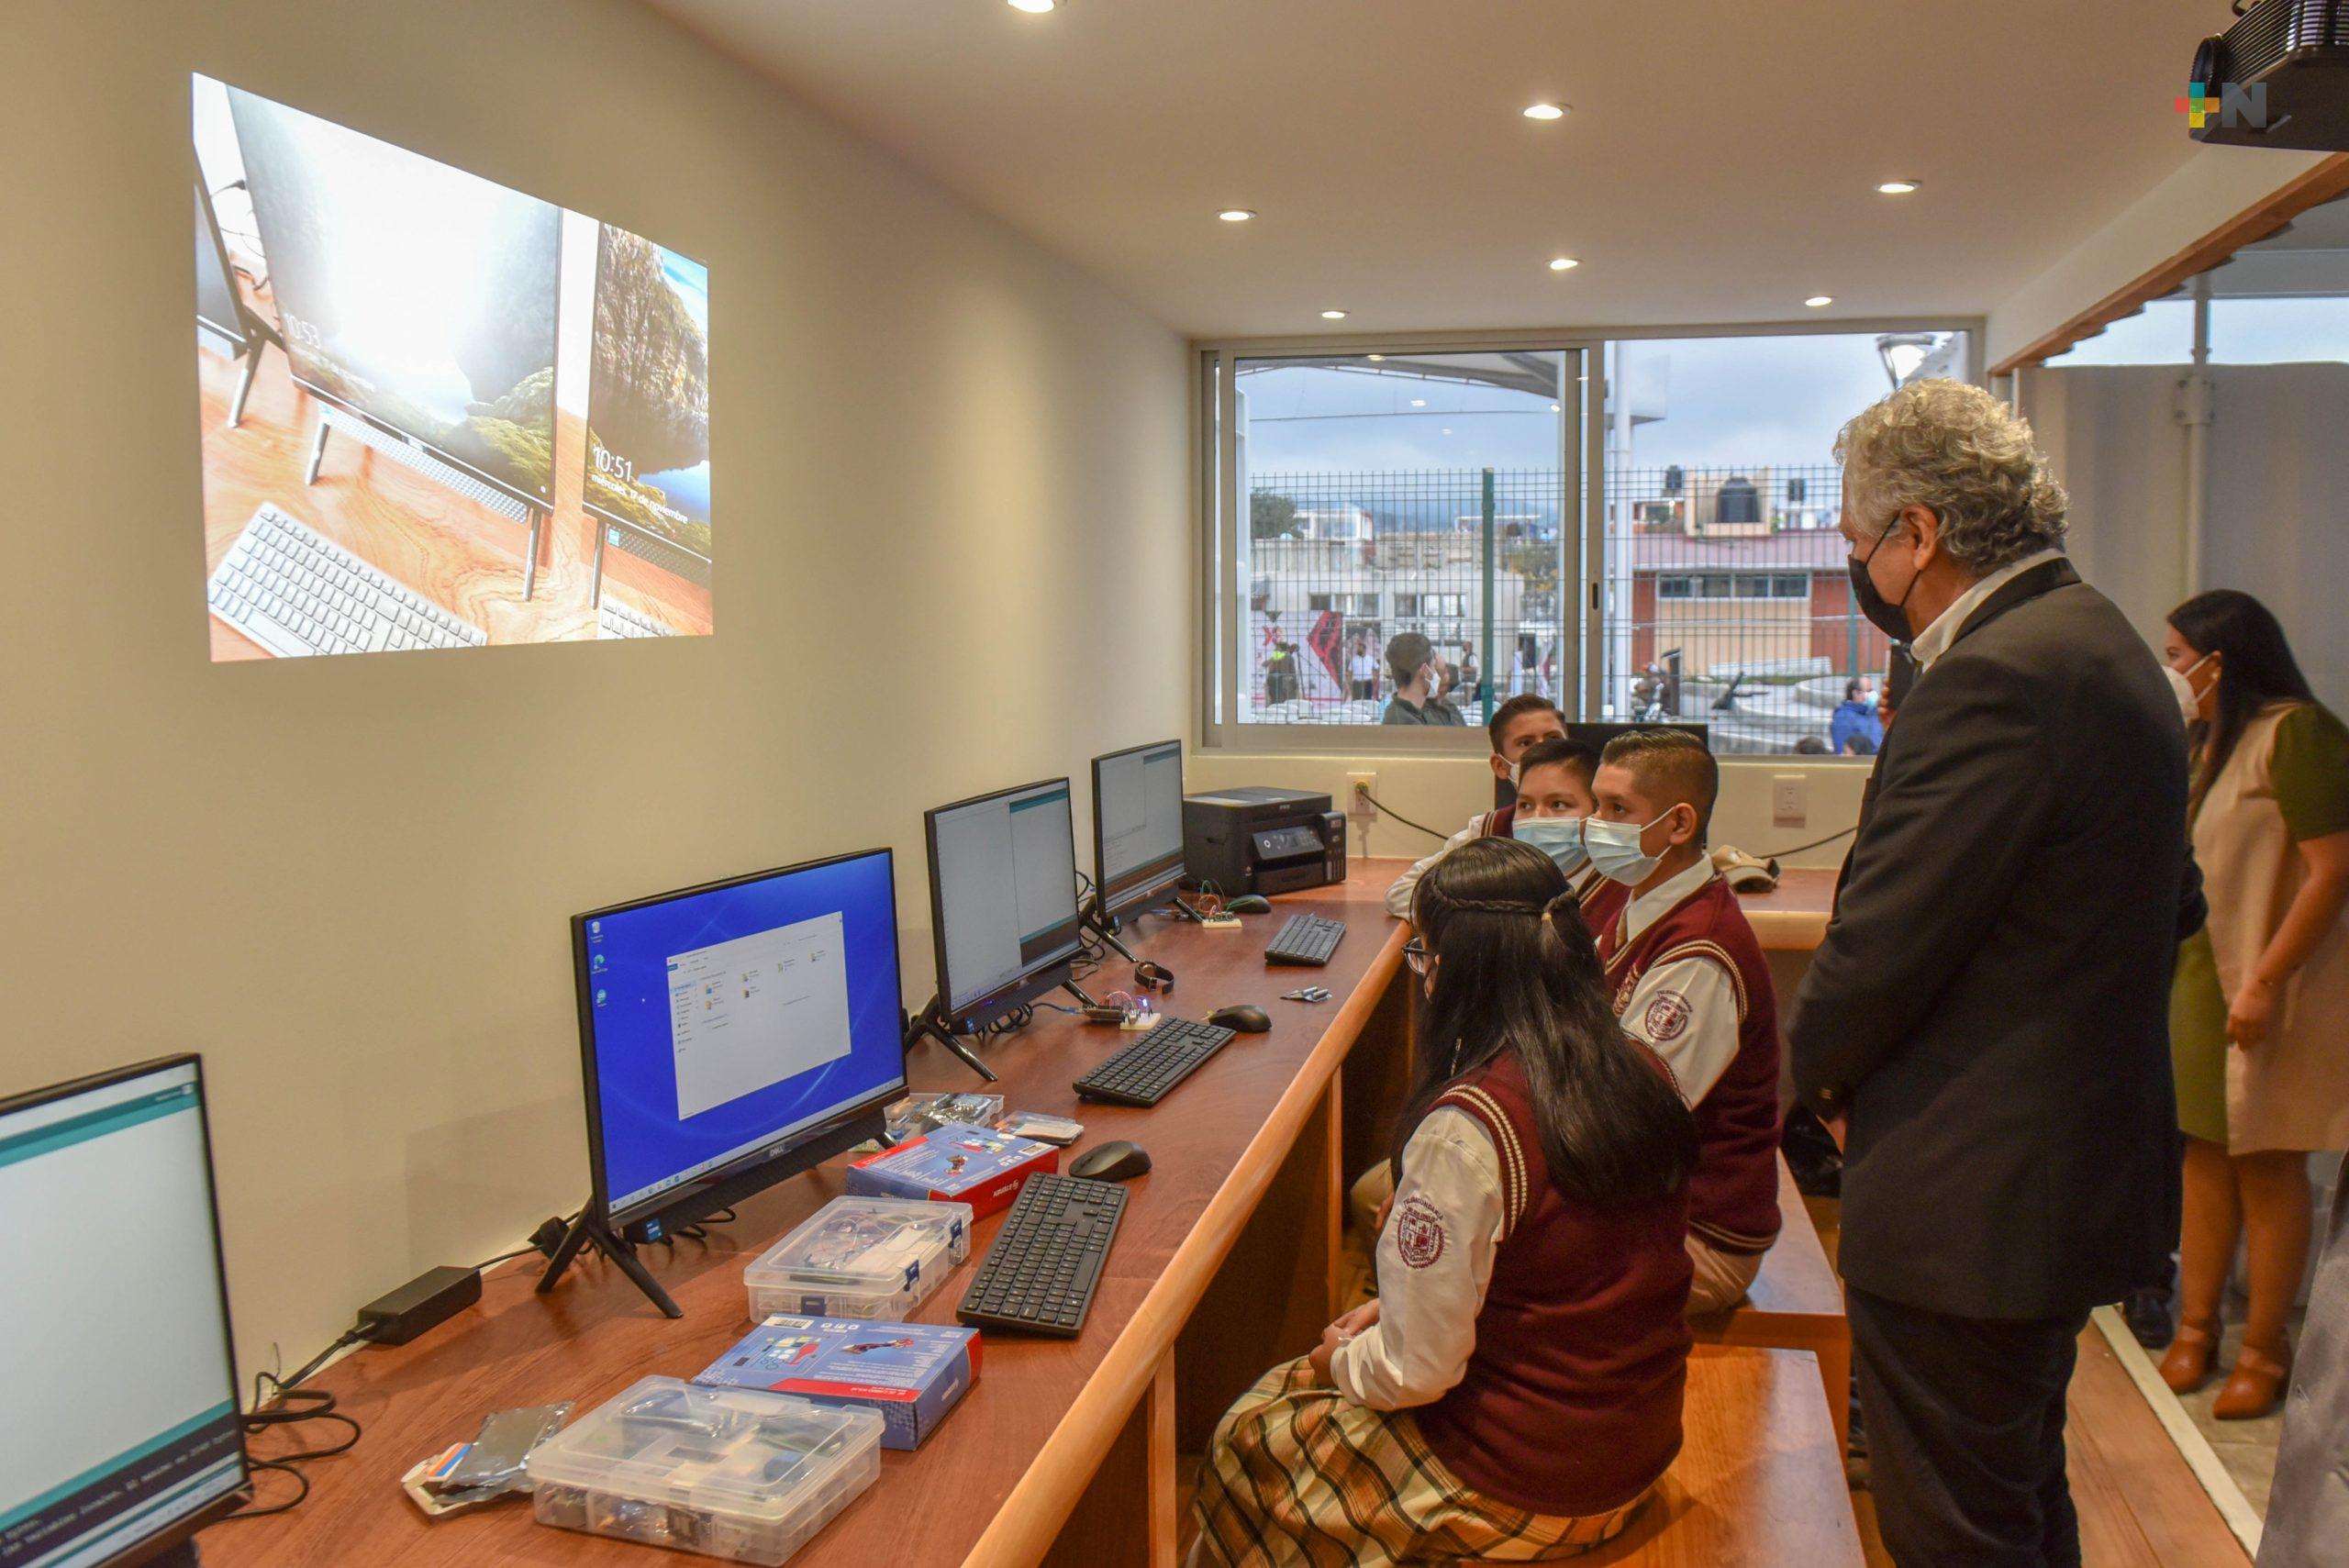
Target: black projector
[2278, 77]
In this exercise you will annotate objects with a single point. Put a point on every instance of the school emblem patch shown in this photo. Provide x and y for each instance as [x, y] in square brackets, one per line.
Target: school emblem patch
[1666, 1016]
[1418, 1233]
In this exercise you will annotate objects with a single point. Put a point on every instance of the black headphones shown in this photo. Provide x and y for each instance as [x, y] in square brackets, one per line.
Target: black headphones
[1149, 976]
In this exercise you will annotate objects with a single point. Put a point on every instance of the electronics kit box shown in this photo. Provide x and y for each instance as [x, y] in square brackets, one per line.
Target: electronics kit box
[861, 1257]
[911, 1374]
[955, 1164]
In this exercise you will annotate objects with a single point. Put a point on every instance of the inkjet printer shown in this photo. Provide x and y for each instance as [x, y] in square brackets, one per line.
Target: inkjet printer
[1259, 839]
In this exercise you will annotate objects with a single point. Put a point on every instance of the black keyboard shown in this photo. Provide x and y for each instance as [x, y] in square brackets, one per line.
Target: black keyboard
[1038, 1276]
[1144, 1073]
[1305, 938]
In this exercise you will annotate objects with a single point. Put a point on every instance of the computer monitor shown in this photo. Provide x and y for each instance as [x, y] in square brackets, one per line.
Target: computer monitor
[122, 1436]
[415, 296]
[1137, 826]
[732, 1035]
[1002, 899]
[647, 454]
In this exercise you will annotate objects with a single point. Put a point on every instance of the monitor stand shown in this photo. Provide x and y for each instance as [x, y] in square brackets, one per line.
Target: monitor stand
[1106, 929]
[589, 1230]
[183, 1556]
[332, 419]
[931, 1022]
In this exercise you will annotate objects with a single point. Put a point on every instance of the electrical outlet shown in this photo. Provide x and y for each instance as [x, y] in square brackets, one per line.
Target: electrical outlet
[1360, 787]
[1789, 800]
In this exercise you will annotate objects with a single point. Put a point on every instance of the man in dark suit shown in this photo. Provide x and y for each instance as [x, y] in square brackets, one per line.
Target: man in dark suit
[1988, 1011]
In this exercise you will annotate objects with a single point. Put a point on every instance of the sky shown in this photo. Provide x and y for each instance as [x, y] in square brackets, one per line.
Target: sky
[1729, 401]
[2242, 333]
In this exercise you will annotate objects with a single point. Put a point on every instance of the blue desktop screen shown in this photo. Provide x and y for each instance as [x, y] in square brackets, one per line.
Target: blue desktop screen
[728, 1019]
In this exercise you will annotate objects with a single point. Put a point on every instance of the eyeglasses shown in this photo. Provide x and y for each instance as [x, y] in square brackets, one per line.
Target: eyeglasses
[1416, 954]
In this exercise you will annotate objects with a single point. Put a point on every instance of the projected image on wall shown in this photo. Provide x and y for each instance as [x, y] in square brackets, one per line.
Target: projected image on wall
[436, 412]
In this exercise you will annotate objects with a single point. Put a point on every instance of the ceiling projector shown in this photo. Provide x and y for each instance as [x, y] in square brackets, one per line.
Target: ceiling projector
[2278, 77]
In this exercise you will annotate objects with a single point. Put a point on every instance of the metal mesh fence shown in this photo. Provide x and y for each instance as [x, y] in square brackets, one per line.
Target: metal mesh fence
[1725, 598]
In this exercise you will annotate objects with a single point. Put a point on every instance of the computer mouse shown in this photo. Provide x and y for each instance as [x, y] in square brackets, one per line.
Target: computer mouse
[1241, 1016]
[1249, 903]
[1117, 1160]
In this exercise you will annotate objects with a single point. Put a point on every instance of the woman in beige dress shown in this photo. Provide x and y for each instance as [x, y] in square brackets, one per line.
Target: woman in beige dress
[2259, 1011]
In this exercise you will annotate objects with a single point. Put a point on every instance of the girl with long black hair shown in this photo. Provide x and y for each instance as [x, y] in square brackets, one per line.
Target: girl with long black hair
[1516, 1387]
[2260, 992]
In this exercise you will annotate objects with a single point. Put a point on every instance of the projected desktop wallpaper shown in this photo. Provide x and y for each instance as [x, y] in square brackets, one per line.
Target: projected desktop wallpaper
[444, 414]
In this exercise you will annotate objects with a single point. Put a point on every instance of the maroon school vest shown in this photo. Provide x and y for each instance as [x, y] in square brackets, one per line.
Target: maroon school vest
[1571, 1402]
[1734, 1196]
[1500, 822]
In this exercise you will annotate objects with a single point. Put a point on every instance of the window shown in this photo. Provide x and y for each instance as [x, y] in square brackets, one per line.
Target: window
[1695, 572]
[1388, 495]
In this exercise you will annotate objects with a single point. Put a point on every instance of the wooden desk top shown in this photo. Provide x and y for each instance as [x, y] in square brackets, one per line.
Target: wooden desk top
[992, 1485]
[1790, 918]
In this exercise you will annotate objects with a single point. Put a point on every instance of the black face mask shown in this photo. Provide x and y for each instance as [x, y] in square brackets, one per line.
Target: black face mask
[1886, 615]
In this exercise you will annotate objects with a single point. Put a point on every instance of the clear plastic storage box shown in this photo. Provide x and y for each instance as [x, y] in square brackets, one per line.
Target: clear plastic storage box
[861, 1257]
[735, 1473]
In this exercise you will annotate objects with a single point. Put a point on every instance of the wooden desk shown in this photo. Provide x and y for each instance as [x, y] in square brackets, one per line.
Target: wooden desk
[1792, 917]
[1063, 1451]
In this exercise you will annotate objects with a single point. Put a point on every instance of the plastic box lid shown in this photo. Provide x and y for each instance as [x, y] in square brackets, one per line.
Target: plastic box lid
[740, 1452]
[866, 1246]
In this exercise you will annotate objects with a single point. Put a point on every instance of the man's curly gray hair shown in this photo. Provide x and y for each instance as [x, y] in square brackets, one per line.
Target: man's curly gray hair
[1954, 448]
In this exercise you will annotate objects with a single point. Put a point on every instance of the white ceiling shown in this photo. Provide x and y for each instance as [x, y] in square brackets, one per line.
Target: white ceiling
[1719, 166]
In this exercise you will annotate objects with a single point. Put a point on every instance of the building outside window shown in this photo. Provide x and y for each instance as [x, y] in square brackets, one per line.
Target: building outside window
[1698, 575]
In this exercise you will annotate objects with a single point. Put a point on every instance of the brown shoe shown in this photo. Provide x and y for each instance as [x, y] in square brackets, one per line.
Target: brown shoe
[2188, 1365]
[2254, 1387]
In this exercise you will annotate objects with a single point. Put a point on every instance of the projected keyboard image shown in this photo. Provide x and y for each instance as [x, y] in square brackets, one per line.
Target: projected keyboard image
[1038, 1276]
[1305, 938]
[616, 619]
[1145, 1072]
[295, 591]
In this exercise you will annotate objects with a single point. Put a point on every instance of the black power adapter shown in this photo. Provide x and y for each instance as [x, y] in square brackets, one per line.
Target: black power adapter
[426, 1302]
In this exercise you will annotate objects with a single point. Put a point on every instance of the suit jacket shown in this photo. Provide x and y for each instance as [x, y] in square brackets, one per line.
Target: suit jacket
[1989, 1004]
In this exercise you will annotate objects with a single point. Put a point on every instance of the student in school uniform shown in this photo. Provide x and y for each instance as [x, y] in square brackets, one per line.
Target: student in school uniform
[1517, 724]
[1688, 978]
[1553, 795]
[1514, 1393]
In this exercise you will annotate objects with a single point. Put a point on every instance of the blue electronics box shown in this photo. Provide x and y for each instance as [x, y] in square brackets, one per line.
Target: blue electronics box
[957, 1163]
[910, 1375]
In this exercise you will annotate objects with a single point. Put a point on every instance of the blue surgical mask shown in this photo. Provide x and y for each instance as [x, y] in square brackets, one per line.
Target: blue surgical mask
[1614, 849]
[1560, 838]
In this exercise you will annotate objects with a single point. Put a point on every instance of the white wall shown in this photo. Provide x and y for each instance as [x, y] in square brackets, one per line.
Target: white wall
[2280, 473]
[346, 881]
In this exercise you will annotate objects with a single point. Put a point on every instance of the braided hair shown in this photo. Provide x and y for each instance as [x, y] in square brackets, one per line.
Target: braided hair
[1519, 972]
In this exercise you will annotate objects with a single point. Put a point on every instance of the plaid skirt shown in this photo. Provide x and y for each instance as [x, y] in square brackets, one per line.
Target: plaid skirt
[1299, 1474]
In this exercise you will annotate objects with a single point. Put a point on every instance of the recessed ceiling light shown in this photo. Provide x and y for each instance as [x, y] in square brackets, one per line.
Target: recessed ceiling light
[1235, 215]
[1555, 409]
[1447, 430]
[1814, 301]
[1546, 112]
[1034, 7]
[1378, 356]
[1333, 315]
[1563, 263]
[1419, 403]
[1897, 187]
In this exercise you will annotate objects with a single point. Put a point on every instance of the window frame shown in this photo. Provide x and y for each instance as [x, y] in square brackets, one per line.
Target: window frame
[1582, 444]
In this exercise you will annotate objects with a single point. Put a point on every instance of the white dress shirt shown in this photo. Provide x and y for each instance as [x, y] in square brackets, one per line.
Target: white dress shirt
[1685, 1009]
[1934, 640]
[1435, 1262]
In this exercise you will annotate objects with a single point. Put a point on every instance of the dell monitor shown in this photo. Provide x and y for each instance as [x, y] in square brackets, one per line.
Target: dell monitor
[731, 1035]
[1002, 901]
[1137, 827]
[122, 1436]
